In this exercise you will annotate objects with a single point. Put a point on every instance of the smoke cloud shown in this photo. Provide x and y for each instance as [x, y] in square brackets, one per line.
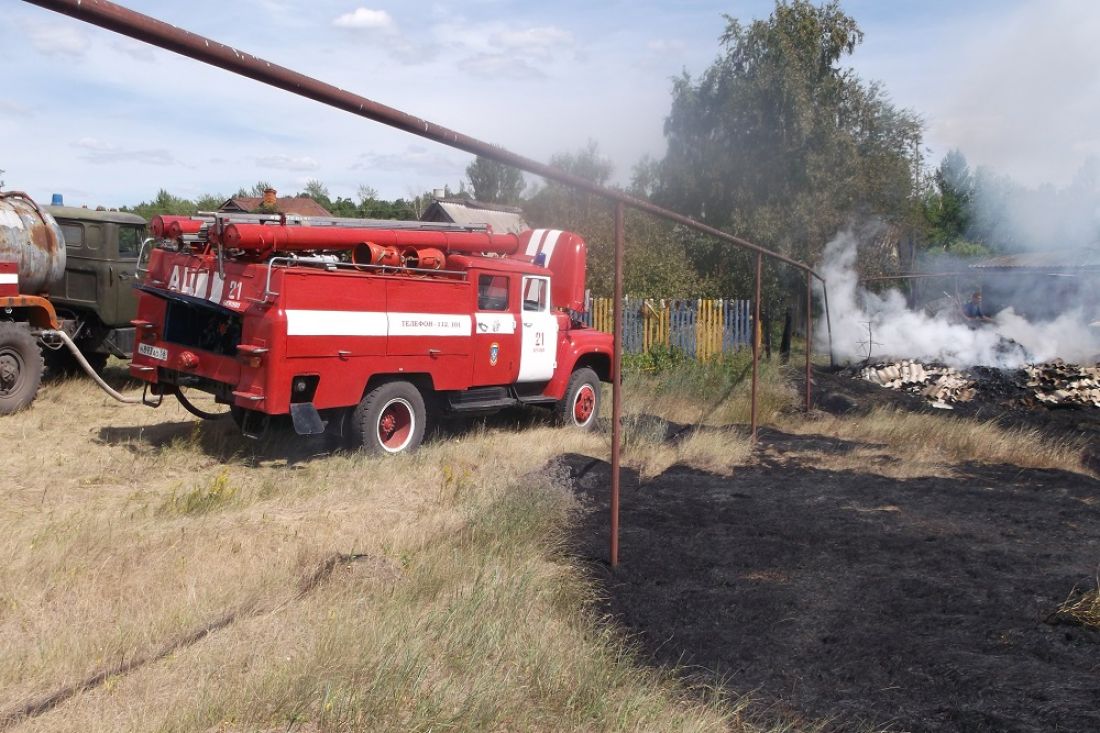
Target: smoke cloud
[882, 325]
[1012, 217]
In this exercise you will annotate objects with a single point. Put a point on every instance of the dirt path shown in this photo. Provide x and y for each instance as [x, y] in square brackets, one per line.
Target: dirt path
[912, 603]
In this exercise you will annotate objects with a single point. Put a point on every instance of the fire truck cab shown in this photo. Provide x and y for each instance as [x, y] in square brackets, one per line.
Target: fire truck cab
[364, 330]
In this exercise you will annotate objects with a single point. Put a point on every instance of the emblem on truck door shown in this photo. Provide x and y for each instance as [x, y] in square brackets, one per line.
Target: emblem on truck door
[494, 352]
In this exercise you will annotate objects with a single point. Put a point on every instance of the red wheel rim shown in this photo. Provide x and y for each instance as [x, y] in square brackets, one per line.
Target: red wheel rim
[585, 404]
[395, 425]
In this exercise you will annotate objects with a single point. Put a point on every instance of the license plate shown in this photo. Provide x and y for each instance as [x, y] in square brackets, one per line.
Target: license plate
[153, 352]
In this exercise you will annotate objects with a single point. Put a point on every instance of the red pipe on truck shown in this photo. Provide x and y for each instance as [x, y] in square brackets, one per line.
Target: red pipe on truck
[281, 238]
[174, 227]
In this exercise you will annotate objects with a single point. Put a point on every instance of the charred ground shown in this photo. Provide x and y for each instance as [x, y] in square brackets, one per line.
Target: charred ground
[916, 604]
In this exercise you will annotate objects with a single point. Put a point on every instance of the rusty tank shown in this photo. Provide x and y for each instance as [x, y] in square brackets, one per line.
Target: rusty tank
[30, 236]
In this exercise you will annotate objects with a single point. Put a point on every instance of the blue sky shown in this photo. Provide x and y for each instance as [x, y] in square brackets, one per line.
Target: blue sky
[107, 120]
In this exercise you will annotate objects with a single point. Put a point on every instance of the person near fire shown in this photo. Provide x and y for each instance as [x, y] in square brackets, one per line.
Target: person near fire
[972, 310]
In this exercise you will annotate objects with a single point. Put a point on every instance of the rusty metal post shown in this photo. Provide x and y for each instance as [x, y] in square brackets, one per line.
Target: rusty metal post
[617, 382]
[756, 334]
[809, 341]
[828, 321]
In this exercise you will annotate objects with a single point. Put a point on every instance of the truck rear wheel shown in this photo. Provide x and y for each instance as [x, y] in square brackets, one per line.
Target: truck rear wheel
[390, 419]
[581, 403]
[20, 368]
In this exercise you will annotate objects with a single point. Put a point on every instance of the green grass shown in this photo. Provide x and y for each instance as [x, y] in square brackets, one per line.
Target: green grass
[203, 498]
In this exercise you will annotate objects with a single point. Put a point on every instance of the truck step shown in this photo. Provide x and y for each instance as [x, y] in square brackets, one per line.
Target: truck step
[481, 399]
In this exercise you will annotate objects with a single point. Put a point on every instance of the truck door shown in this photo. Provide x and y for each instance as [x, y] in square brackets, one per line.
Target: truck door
[121, 273]
[539, 333]
[496, 338]
[81, 286]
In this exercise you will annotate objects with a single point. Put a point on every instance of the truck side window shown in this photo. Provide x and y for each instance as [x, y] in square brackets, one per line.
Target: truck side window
[535, 294]
[492, 293]
[129, 241]
[73, 234]
[93, 236]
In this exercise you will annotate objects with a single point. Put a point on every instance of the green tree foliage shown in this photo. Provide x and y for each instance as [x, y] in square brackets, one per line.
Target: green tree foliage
[495, 182]
[256, 191]
[781, 144]
[948, 208]
[209, 202]
[366, 208]
[317, 191]
[164, 203]
[656, 263]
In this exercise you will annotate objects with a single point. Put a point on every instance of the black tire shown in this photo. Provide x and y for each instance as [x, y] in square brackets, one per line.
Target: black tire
[580, 406]
[59, 363]
[389, 420]
[20, 368]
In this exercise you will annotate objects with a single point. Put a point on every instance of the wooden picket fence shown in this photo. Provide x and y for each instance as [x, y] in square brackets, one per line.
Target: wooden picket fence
[701, 328]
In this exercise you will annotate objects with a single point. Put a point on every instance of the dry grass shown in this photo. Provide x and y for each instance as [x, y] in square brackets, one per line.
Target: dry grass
[717, 394]
[696, 416]
[1081, 608]
[124, 527]
[906, 444]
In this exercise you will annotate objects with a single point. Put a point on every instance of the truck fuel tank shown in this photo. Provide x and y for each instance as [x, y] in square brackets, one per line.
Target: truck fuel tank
[31, 237]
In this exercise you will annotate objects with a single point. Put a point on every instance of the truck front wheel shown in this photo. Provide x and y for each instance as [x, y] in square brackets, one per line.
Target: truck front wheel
[20, 368]
[389, 419]
[581, 403]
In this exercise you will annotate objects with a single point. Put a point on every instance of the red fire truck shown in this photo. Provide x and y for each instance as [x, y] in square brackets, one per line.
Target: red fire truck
[363, 329]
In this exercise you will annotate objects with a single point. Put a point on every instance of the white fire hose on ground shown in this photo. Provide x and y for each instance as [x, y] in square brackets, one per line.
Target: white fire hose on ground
[88, 367]
[68, 342]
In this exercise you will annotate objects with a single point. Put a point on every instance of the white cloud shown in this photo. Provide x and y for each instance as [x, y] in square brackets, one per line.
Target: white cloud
[500, 66]
[134, 49]
[101, 152]
[414, 159]
[288, 162]
[54, 39]
[539, 40]
[1015, 90]
[666, 45]
[497, 50]
[92, 143]
[365, 19]
[14, 109]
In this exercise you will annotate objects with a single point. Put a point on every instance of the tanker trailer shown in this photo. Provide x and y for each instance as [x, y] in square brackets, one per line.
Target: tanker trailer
[32, 257]
[66, 285]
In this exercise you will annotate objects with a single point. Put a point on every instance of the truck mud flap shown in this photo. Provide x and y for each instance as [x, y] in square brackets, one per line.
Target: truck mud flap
[254, 424]
[306, 419]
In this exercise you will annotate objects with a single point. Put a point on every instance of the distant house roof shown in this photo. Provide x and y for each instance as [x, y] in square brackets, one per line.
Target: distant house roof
[299, 205]
[1081, 259]
[502, 219]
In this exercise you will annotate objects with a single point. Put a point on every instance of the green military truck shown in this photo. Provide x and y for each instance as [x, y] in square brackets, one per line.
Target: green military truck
[66, 291]
[96, 300]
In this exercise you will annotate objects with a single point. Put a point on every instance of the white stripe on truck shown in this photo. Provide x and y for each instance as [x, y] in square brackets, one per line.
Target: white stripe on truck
[371, 323]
